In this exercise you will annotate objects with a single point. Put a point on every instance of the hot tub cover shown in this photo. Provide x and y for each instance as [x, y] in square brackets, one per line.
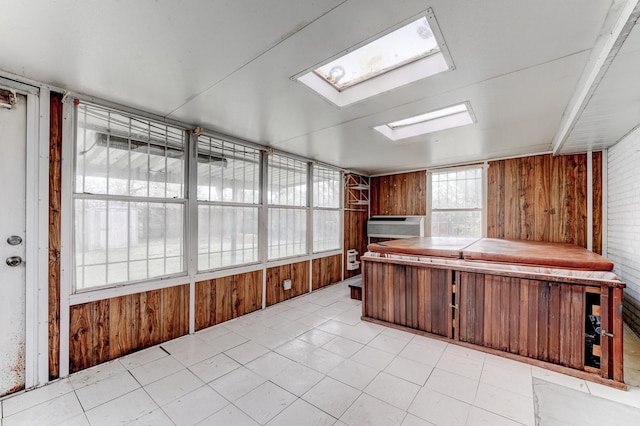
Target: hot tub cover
[424, 246]
[536, 253]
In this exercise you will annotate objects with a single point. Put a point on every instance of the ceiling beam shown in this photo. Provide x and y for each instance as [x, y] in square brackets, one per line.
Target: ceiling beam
[618, 24]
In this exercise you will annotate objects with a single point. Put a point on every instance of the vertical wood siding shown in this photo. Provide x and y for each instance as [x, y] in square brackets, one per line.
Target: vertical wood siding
[55, 200]
[544, 198]
[416, 297]
[536, 319]
[597, 202]
[401, 194]
[298, 273]
[106, 329]
[222, 299]
[326, 271]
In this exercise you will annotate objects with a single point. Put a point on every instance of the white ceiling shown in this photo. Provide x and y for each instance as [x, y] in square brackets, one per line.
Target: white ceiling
[227, 66]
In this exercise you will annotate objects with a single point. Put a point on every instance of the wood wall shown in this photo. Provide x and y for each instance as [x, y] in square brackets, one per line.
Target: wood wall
[55, 201]
[597, 201]
[544, 198]
[326, 271]
[539, 198]
[107, 329]
[222, 299]
[401, 194]
[298, 273]
[355, 236]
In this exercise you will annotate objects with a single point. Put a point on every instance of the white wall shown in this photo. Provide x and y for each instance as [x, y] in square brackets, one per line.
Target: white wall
[623, 210]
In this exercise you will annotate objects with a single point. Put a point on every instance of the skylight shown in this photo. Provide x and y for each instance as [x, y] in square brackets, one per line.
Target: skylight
[411, 52]
[434, 121]
[400, 47]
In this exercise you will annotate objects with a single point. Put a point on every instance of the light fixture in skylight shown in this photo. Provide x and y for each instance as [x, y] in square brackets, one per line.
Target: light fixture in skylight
[434, 121]
[409, 53]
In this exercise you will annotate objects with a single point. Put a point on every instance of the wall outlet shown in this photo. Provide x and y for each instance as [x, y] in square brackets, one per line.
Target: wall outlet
[286, 284]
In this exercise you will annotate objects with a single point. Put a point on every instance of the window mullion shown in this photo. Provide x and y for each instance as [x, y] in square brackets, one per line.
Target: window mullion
[310, 193]
[191, 174]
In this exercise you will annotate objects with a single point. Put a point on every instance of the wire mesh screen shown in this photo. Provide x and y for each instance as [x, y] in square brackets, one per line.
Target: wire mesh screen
[129, 209]
[287, 189]
[287, 181]
[228, 172]
[327, 184]
[228, 199]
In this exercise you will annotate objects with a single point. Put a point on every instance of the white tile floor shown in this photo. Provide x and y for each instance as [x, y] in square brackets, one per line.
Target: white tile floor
[306, 361]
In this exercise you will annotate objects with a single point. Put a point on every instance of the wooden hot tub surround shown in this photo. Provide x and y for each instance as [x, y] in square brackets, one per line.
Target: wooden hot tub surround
[531, 309]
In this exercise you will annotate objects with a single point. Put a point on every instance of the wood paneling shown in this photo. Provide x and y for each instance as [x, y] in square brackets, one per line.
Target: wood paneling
[355, 236]
[503, 312]
[411, 296]
[597, 202]
[400, 194]
[536, 319]
[544, 198]
[106, 329]
[55, 200]
[222, 299]
[298, 273]
[120, 330]
[326, 271]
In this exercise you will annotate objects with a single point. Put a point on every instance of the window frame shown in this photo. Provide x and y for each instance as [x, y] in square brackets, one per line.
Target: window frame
[74, 196]
[257, 204]
[304, 208]
[189, 273]
[339, 209]
[483, 196]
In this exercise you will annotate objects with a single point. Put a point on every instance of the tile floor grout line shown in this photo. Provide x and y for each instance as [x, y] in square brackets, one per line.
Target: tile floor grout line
[337, 313]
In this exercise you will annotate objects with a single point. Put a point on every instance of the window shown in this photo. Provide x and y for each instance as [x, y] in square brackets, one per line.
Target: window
[326, 208]
[288, 206]
[434, 121]
[131, 203]
[129, 198]
[228, 203]
[413, 51]
[457, 202]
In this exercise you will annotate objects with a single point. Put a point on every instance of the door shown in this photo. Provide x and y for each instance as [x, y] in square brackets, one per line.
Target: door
[13, 142]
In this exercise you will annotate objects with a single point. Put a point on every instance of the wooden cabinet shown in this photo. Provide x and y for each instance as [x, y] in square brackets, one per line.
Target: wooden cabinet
[418, 298]
[542, 319]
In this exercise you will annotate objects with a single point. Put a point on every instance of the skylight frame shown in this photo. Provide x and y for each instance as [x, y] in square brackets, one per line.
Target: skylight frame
[431, 64]
[433, 121]
[393, 50]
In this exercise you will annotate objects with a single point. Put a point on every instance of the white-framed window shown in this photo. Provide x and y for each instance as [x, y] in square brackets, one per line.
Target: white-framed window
[129, 198]
[457, 202]
[288, 203]
[228, 193]
[327, 196]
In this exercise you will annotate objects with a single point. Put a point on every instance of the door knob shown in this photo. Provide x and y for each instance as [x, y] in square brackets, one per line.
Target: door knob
[14, 261]
[14, 240]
